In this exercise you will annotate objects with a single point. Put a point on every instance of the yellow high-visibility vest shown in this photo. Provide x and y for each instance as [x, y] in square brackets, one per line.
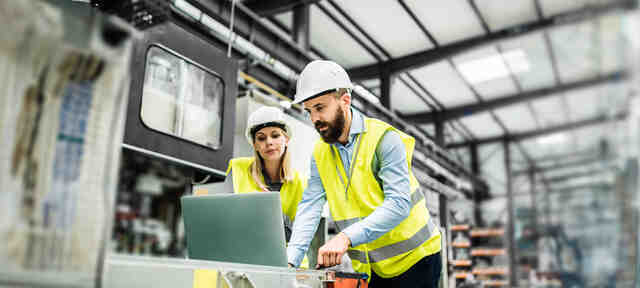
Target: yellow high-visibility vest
[290, 193]
[397, 250]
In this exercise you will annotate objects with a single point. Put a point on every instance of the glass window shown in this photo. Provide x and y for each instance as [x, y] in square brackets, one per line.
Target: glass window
[182, 99]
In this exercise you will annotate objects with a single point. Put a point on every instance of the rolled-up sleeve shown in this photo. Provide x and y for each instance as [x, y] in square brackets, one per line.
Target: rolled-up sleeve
[307, 217]
[394, 175]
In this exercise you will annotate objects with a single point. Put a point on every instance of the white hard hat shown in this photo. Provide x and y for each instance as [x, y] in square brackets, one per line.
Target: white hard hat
[320, 77]
[265, 117]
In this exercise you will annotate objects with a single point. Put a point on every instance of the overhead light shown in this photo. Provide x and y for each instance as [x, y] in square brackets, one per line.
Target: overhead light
[493, 67]
[631, 29]
[552, 139]
[517, 61]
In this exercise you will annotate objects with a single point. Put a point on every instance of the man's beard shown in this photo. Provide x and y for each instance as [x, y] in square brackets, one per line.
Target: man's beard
[335, 128]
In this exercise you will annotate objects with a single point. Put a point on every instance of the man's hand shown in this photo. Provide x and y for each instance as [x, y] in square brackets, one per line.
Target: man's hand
[330, 254]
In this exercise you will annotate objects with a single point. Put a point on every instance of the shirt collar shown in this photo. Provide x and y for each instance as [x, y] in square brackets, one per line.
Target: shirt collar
[357, 123]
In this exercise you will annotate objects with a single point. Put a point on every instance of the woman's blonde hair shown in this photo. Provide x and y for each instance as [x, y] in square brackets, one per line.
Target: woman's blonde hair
[286, 172]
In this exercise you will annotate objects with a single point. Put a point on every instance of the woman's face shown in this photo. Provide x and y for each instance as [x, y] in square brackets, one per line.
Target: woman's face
[270, 142]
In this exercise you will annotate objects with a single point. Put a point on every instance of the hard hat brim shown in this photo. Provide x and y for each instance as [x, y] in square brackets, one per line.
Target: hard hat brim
[316, 95]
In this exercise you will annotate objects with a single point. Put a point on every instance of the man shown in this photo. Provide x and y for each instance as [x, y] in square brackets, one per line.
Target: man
[362, 168]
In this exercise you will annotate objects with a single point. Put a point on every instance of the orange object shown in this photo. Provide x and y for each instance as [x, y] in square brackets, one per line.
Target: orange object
[487, 232]
[487, 252]
[495, 283]
[461, 244]
[199, 192]
[461, 263]
[459, 227]
[461, 275]
[348, 280]
[349, 283]
[491, 271]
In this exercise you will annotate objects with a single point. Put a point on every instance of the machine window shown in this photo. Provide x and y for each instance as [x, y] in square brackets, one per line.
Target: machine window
[182, 99]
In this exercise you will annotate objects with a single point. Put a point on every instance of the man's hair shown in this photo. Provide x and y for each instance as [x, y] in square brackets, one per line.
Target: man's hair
[342, 91]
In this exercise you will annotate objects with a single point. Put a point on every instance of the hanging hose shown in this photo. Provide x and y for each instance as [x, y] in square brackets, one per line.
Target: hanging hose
[231, 40]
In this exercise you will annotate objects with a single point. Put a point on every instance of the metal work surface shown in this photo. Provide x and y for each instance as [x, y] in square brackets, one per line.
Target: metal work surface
[133, 271]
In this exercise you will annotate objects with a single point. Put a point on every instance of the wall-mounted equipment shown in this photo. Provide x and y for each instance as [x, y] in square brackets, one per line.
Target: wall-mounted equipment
[182, 100]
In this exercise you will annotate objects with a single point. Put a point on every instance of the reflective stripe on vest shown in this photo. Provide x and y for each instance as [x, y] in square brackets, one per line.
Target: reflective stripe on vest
[397, 248]
[343, 224]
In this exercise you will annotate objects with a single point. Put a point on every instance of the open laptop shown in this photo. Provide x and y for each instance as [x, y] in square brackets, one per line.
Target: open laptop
[241, 228]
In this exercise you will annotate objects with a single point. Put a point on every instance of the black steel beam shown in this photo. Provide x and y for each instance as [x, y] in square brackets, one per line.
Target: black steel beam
[597, 187]
[419, 23]
[569, 176]
[511, 218]
[468, 109]
[430, 56]
[475, 159]
[416, 92]
[286, 29]
[444, 208]
[273, 7]
[349, 32]
[576, 163]
[439, 127]
[301, 32]
[385, 90]
[590, 187]
[248, 25]
[348, 17]
[534, 205]
[540, 132]
[560, 157]
[571, 210]
[477, 196]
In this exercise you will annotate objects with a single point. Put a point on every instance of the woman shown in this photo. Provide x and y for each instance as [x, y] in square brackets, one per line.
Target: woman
[270, 168]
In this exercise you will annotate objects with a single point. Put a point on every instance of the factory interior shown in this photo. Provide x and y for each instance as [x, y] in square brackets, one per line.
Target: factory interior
[115, 113]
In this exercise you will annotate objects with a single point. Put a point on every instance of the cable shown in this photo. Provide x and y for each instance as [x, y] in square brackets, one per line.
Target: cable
[206, 178]
[233, 10]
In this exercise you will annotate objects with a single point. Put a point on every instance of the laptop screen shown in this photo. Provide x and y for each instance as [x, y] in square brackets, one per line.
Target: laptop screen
[241, 228]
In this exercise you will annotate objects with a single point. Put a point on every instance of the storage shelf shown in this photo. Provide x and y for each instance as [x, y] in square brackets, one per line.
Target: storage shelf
[490, 271]
[487, 252]
[478, 233]
[461, 244]
[460, 227]
[461, 263]
[495, 283]
[461, 275]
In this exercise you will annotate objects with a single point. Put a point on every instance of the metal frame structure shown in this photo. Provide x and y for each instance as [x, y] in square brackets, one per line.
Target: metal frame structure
[541, 132]
[522, 96]
[295, 54]
[270, 8]
[574, 163]
[431, 56]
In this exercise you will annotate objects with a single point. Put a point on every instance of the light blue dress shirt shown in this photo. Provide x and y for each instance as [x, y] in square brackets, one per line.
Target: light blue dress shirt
[390, 162]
